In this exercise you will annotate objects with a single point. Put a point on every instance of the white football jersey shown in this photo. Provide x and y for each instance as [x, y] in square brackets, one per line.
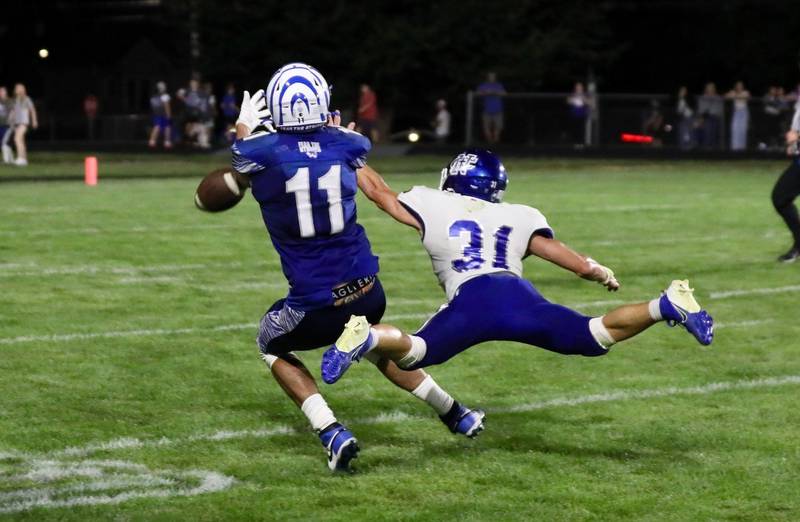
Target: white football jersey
[467, 237]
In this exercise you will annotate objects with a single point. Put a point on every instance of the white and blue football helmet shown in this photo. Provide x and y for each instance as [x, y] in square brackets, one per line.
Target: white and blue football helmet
[298, 97]
[478, 173]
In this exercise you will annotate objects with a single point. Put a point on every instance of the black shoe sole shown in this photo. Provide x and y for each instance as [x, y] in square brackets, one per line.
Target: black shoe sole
[348, 454]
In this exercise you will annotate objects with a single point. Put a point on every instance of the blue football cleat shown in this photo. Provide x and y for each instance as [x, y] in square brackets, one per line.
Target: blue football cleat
[348, 348]
[678, 306]
[341, 445]
[461, 419]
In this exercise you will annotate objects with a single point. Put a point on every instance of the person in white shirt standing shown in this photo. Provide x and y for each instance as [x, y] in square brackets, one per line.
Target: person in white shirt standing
[477, 244]
[5, 129]
[162, 116]
[23, 116]
[741, 116]
[441, 122]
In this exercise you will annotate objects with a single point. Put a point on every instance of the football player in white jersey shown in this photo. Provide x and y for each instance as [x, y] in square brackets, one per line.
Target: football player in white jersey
[477, 244]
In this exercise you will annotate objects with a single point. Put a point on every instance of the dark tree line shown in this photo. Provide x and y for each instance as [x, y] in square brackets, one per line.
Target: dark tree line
[411, 52]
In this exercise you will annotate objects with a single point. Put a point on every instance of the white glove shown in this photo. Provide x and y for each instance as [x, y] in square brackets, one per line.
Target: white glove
[603, 275]
[254, 111]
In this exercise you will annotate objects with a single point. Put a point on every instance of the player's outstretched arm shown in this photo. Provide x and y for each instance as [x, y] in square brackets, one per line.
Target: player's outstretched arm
[560, 254]
[375, 188]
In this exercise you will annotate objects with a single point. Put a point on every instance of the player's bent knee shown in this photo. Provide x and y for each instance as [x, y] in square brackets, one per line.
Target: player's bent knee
[600, 334]
[415, 355]
[780, 199]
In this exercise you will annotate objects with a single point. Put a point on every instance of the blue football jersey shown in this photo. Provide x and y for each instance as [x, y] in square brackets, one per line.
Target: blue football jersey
[306, 187]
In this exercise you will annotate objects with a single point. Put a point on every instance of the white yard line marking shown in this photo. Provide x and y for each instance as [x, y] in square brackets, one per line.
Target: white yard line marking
[102, 482]
[81, 336]
[754, 291]
[122, 333]
[591, 304]
[37, 271]
[67, 483]
[55, 230]
[149, 279]
[625, 395]
[743, 324]
[129, 443]
[37, 210]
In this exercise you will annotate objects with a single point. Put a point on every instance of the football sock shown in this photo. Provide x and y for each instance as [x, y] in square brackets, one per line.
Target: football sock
[373, 339]
[434, 395]
[655, 309]
[319, 414]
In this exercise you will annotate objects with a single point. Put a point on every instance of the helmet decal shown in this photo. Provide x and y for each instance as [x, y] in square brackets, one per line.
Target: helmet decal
[476, 173]
[298, 97]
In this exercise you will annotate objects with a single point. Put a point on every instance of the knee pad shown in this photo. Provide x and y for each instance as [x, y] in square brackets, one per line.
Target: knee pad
[415, 355]
[601, 335]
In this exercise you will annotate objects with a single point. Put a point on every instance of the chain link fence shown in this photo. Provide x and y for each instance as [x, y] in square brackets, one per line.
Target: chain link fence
[615, 120]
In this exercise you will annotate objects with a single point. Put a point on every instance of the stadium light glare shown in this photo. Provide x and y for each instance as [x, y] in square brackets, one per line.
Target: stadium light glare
[43, 53]
[413, 136]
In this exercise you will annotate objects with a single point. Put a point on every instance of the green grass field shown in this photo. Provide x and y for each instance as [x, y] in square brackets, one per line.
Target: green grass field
[131, 389]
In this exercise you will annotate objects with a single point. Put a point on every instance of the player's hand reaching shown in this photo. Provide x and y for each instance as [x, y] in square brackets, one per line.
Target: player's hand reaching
[603, 275]
[335, 120]
[254, 111]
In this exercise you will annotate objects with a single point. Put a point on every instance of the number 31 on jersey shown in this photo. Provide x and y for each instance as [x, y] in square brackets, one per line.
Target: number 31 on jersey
[473, 250]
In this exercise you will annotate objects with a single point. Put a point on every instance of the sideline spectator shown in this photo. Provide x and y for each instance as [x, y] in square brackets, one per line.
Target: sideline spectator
[91, 106]
[196, 114]
[787, 189]
[179, 116]
[211, 113]
[773, 128]
[654, 124]
[5, 128]
[23, 115]
[492, 92]
[579, 112]
[162, 116]
[368, 113]
[786, 101]
[230, 112]
[710, 109]
[685, 121]
[741, 116]
[441, 122]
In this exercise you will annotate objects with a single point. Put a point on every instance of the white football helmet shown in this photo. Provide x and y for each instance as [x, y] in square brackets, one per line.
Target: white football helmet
[298, 98]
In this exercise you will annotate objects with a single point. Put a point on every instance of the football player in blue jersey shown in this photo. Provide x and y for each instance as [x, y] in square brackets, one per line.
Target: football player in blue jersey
[303, 176]
[477, 244]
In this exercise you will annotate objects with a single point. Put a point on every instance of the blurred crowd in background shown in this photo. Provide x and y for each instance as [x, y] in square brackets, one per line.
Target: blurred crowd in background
[195, 116]
[691, 122]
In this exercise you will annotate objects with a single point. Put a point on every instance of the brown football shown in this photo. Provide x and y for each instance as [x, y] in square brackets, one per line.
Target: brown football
[220, 190]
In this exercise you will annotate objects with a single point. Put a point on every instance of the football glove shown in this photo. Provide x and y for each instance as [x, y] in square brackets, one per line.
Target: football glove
[254, 111]
[603, 275]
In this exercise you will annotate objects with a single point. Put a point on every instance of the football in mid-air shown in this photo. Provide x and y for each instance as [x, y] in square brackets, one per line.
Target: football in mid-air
[220, 190]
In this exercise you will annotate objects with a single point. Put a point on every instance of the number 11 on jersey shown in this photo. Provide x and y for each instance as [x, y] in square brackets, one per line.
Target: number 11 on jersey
[331, 183]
